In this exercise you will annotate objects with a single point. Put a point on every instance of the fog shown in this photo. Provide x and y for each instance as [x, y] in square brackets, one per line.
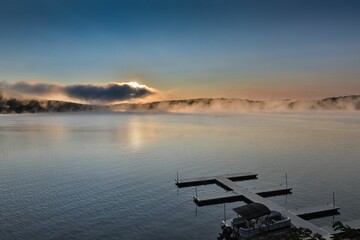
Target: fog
[347, 103]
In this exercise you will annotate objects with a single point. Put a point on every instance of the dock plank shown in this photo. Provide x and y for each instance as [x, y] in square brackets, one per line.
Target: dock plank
[355, 224]
[272, 192]
[231, 196]
[226, 197]
[313, 212]
[192, 182]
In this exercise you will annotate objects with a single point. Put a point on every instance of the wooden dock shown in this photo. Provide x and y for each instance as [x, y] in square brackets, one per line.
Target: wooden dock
[238, 193]
[232, 196]
[272, 192]
[192, 182]
[313, 212]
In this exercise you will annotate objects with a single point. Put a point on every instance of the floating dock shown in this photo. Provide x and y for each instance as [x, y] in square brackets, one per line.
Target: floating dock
[235, 193]
[192, 182]
[314, 212]
[232, 196]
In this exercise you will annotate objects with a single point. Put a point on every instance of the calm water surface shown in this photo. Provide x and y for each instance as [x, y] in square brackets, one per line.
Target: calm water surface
[111, 175]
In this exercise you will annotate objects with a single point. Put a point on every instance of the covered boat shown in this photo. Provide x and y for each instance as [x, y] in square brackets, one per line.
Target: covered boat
[254, 220]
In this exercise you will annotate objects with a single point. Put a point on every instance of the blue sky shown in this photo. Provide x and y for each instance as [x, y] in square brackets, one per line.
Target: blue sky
[245, 49]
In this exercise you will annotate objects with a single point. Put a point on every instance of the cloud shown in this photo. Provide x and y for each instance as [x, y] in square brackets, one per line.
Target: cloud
[102, 93]
[108, 93]
[31, 88]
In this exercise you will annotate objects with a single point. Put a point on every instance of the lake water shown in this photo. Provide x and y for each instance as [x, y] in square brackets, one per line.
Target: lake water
[111, 175]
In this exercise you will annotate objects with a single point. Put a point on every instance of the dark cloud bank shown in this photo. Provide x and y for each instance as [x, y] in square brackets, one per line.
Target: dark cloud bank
[32, 89]
[111, 92]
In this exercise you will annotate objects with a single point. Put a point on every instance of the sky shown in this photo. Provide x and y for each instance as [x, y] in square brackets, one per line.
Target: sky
[153, 50]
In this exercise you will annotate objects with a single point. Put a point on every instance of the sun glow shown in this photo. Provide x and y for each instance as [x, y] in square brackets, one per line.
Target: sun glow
[132, 84]
[136, 85]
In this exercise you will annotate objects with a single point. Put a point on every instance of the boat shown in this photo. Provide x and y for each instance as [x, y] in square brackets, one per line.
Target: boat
[253, 221]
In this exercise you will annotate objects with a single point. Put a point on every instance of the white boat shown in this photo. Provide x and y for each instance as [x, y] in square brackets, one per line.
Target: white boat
[254, 220]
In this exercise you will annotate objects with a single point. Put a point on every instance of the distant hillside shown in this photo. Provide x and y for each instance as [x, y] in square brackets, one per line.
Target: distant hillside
[201, 105]
[14, 105]
[345, 103]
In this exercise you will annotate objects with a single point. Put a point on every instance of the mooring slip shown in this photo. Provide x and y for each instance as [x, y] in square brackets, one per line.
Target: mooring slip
[231, 196]
[313, 212]
[238, 193]
[272, 192]
[191, 182]
[226, 197]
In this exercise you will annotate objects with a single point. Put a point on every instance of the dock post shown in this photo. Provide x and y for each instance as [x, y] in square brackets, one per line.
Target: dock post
[333, 218]
[286, 197]
[224, 212]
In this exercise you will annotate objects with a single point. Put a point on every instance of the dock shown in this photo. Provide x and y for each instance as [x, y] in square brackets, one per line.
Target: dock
[232, 196]
[354, 224]
[192, 182]
[314, 212]
[235, 193]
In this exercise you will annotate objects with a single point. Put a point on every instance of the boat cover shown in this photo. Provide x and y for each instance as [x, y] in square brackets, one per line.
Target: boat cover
[237, 222]
[252, 211]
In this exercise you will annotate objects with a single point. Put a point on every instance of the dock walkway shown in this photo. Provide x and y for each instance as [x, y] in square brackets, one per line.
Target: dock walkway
[313, 212]
[354, 224]
[192, 182]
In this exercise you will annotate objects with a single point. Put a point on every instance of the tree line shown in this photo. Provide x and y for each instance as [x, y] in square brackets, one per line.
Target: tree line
[13, 105]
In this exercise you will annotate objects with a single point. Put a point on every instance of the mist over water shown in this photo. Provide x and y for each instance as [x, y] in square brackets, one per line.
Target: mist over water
[111, 175]
[229, 105]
